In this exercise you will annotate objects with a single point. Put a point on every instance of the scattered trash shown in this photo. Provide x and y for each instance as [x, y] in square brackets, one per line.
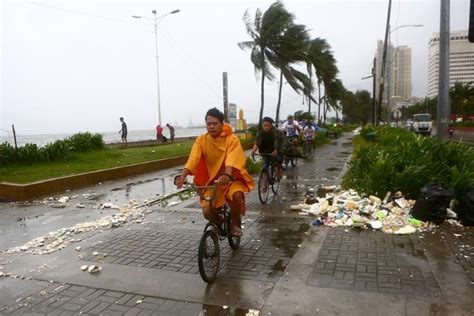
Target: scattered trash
[432, 203]
[334, 207]
[93, 269]
[139, 301]
[84, 267]
[63, 199]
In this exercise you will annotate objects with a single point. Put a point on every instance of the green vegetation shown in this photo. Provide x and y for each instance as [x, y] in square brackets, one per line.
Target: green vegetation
[79, 162]
[392, 159]
[59, 150]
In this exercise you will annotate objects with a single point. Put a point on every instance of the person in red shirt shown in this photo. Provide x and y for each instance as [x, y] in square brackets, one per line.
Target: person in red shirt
[159, 133]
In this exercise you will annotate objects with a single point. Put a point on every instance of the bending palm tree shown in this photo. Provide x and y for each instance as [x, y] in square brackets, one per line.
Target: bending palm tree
[267, 31]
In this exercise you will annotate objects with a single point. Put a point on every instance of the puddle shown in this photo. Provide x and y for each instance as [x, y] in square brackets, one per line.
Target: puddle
[333, 169]
[346, 144]
[213, 310]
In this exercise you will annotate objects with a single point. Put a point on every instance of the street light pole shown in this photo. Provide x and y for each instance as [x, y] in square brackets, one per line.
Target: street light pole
[389, 68]
[157, 20]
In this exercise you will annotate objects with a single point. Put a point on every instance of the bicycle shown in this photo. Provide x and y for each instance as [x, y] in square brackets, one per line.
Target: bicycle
[268, 177]
[308, 147]
[209, 251]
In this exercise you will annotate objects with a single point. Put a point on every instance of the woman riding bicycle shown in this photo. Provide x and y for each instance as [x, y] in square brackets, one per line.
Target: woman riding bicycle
[217, 156]
[269, 141]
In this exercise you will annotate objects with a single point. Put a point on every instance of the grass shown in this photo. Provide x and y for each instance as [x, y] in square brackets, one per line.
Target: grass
[90, 161]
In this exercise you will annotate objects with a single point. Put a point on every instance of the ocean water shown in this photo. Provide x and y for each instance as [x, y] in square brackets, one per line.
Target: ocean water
[109, 137]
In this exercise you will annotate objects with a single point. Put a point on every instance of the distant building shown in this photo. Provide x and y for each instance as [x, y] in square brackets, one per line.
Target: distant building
[400, 82]
[233, 115]
[461, 61]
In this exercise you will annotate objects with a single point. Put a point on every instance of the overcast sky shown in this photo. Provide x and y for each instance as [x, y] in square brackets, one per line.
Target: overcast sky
[70, 66]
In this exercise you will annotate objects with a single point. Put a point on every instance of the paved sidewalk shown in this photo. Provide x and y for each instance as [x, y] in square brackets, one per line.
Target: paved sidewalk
[285, 266]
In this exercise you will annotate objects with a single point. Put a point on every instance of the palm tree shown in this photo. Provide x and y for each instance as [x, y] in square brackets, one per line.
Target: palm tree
[267, 31]
[315, 50]
[290, 51]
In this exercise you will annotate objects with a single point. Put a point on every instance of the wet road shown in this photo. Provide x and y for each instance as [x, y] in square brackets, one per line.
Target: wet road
[285, 266]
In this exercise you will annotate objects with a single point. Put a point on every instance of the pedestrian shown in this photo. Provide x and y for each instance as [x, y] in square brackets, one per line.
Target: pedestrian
[218, 156]
[159, 133]
[171, 132]
[123, 132]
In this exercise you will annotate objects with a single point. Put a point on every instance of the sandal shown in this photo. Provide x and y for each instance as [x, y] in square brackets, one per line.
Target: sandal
[236, 231]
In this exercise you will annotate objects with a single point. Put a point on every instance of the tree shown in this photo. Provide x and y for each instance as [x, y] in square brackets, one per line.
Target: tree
[462, 98]
[291, 51]
[356, 107]
[267, 31]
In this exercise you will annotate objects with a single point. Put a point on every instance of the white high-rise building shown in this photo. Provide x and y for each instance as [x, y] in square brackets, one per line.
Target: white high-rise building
[461, 61]
[400, 81]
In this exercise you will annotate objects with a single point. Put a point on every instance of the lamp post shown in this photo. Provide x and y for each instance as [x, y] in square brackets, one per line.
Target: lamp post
[157, 20]
[389, 68]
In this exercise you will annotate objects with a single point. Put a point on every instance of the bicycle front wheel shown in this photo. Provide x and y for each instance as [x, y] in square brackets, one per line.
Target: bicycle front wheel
[307, 150]
[208, 256]
[275, 181]
[234, 242]
[263, 186]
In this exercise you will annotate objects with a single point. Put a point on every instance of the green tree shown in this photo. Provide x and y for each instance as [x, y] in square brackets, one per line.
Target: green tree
[291, 51]
[462, 98]
[356, 107]
[267, 33]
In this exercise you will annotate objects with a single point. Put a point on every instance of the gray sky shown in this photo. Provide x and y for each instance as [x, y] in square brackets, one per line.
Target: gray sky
[70, 66]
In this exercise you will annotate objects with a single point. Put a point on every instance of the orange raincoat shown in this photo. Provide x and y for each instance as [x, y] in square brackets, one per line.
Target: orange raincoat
[208, 158]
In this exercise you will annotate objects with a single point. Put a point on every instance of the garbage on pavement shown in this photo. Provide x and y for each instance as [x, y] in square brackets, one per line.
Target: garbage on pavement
[336, 207]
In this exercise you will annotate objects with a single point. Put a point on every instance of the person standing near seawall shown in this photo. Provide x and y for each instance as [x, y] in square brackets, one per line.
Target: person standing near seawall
[159, 133]
[123, 132]
[171, 132]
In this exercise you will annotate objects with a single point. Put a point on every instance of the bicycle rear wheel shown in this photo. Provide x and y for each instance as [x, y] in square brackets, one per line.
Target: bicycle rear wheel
[208, 256]
[263, 186]
[275, 181]
[234, 242]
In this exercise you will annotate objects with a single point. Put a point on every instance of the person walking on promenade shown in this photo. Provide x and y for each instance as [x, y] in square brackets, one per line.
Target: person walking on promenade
[218, 156]
[123, 132]
[171, 132]
[159, 133]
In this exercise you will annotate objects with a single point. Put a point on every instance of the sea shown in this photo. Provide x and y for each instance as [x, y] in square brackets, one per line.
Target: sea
[109, 137]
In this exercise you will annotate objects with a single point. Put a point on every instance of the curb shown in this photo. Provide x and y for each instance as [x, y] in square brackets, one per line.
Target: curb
[21, 192]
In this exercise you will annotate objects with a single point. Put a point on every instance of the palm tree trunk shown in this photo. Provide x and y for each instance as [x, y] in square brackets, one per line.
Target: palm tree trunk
[319, 102]
[262, 95]
[277, 116]
[325, 109]
[309, 92]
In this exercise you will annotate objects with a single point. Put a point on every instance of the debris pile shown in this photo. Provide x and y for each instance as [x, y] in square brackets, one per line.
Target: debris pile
[60, 238]
[347, 208]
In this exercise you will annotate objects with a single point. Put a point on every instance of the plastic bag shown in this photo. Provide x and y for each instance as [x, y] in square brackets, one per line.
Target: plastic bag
[465, 209]
[432, 203]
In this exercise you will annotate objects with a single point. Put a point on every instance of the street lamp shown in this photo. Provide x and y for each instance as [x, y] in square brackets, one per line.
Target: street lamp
[389, 68]
[157, 20]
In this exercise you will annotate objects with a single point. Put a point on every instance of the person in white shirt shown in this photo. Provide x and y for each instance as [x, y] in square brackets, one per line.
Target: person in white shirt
[309, 131]
[291, 127]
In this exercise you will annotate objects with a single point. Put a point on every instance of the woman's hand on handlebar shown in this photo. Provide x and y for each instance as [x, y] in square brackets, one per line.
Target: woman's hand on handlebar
[223, 179]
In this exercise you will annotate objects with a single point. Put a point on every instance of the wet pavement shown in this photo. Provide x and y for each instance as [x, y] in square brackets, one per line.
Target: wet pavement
[284, 266]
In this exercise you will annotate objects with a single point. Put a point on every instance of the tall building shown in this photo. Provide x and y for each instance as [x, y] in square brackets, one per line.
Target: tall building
[400, 73]
[461, 61]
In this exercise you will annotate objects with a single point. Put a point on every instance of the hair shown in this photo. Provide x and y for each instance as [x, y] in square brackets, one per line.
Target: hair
[215, 112]
[290, 117]
[268, 119]
[121, 118]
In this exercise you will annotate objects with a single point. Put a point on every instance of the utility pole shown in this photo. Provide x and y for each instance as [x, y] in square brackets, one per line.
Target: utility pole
[384, 62]
[226, 100]
[14, 137]
[374, 98]
[443, 109]
[389, 78]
